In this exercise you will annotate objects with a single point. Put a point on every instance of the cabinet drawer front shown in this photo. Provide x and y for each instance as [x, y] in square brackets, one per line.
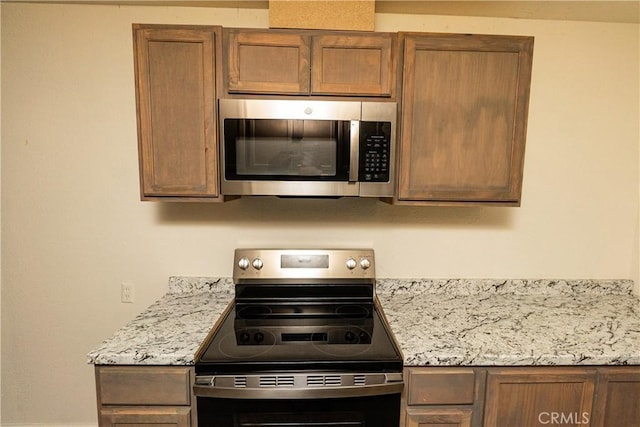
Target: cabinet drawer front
[438, 418]
[441, 387]
[146, 416]
[131, 385]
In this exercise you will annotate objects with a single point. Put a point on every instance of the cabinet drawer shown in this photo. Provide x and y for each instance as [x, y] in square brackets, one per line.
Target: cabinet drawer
[438, 417]
[146, 416]
[433, 386]
[143, 385]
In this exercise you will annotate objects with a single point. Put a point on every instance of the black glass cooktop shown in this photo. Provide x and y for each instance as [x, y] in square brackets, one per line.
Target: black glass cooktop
[336, 335]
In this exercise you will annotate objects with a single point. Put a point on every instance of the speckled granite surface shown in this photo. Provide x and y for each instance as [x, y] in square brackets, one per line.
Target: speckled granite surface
[436, 322]
[519, 322]
[170, 330]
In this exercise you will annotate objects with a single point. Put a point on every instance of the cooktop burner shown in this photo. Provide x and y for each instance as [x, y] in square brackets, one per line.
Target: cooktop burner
[299, 323]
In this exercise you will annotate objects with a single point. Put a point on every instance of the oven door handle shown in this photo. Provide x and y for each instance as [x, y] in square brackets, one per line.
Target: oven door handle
[207, 387]
[354, 151]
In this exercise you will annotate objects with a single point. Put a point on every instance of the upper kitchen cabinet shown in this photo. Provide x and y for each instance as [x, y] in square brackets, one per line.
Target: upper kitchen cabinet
[176, 69]
[267, 62]
[360, 64]
[463, 118]
[310, 63]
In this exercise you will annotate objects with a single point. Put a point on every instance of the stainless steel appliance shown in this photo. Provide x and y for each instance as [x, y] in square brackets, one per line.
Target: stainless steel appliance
[307, 148]
[303, 344]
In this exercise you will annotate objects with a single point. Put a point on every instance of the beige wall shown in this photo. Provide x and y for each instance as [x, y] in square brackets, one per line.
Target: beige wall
[73, 228]
[0, 211]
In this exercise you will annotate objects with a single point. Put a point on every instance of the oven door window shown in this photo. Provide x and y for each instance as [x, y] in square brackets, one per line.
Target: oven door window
[339, 419]
[370, 411]
[286, 150]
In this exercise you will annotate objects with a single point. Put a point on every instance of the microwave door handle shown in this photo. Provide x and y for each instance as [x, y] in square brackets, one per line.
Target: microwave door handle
[354, 151]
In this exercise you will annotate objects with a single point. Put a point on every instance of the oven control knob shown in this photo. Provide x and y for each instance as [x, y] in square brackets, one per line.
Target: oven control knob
[243, 263]
[351, 263]
[245, 337]
[258, 337]
[257, 263]
[349, 336]
[365, 263]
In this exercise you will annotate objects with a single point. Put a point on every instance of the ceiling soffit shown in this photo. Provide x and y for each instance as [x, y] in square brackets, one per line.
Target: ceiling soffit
[580, 10]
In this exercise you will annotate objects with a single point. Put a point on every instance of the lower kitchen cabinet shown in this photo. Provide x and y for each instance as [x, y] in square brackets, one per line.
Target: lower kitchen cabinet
[145, 395]
[593, 396]
[531, 397]
[135, 396]
[617, 401]
[440, 396]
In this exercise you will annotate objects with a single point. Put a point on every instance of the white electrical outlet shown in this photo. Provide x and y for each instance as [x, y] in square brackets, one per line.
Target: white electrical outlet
[127, 292]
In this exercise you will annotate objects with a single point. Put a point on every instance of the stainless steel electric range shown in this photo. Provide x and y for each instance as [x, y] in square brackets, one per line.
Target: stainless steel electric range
[303, 344]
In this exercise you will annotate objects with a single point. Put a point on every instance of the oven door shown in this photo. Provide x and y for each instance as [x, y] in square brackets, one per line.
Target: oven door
[294, 148]
[299, 400]
[369, 411]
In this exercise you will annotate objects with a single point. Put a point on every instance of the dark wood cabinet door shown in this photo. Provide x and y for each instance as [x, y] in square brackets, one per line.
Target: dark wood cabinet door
[353, 64]
[617, 402]
[175, 86]
[438, 418]
[531, 397]
[267, 62]
[464, 115]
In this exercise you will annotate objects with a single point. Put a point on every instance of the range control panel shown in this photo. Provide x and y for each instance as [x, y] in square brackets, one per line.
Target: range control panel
[303, 265]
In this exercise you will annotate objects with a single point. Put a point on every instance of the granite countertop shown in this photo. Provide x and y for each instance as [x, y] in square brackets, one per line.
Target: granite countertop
[436, 322]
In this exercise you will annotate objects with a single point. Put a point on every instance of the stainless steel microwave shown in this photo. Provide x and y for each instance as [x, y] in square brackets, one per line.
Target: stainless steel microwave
[307, 148]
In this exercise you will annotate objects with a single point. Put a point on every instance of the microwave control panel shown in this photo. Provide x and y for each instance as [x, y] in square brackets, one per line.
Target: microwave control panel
[375, 151]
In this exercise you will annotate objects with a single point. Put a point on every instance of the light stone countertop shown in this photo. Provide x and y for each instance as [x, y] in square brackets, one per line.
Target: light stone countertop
[436, 322]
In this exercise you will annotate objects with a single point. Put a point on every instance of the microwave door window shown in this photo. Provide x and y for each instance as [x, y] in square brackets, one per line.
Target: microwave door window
[291, 157]
[287, 149]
